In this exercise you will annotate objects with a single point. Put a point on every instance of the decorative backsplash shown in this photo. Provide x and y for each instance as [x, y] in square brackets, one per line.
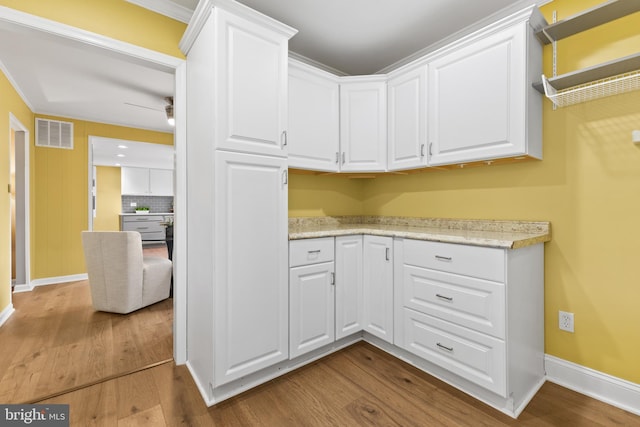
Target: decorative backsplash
[162, 204]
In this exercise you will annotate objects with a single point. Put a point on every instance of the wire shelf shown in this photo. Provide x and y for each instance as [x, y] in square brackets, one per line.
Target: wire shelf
[609, 86]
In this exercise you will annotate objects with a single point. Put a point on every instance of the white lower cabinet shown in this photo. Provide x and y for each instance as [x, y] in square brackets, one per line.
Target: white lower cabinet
[378, 288]
[311, 295]
[475, 314]
[349, 285]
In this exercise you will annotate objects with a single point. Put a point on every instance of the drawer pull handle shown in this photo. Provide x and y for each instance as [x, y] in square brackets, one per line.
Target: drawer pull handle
[444, 347]
[142, 228]
[444, 258]
[444, 298]
[317, 251]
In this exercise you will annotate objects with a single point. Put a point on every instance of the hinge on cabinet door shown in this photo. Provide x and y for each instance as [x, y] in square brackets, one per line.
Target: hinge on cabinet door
[333, 278]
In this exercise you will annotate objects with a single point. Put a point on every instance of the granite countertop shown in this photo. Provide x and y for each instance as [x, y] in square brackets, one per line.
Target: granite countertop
[150, 213]
[497, 234]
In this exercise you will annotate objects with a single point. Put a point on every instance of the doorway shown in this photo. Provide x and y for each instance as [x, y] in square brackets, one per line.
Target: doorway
[19, 201]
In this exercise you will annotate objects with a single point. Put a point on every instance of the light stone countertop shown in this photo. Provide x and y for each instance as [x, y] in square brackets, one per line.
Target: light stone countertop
[496, 234]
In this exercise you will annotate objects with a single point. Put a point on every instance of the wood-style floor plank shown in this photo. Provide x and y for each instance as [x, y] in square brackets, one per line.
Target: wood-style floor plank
[334, 391]
[56, 341]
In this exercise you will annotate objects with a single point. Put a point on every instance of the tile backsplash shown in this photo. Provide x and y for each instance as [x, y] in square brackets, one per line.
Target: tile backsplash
[162, 204]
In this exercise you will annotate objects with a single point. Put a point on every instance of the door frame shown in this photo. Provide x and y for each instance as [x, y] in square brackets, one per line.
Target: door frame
[155, 59]
[17, 126]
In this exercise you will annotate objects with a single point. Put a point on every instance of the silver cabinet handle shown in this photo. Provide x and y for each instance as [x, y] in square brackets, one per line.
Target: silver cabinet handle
[142, 228]
[444, 347]
[422, 150]
[430, 146]
[317, 251]
[337, 157]
[285, 177]
[386, 254]
[444, 297]
[284, 138]
[444, 258]
[333, 278]
[343, 158]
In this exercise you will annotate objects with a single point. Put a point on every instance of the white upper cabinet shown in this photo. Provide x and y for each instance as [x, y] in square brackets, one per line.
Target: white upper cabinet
[407, 119]
[251, 96]
[314, 118]
[146, 182]
[481, 104]
[363, 124]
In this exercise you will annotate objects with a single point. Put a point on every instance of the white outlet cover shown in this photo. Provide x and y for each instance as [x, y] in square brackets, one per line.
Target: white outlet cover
[565, 321]
[635, 136]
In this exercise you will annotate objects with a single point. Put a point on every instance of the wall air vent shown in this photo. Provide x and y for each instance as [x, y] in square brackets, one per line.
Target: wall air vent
[54, 134]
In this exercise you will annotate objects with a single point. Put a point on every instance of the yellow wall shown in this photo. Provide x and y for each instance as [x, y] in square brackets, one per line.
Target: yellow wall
[588, 186]
[109, 199]
[61, 193]
[117, 19]
[328, 195]
[10, 102]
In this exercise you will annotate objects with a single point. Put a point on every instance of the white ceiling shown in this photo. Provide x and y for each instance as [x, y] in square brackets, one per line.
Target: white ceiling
[62, 77]
[117, 153]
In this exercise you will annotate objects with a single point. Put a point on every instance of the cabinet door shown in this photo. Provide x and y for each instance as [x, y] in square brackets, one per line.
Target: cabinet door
[251, 293]
[161, 182]
[252, 87]
[363, 126]
[311, 308]
[314, 119]
[134, 181]
[407, 122]
[349, 285]
[477, 100]
[378, 288]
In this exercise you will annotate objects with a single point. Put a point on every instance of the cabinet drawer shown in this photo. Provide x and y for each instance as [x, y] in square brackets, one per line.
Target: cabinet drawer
[475, 261]
[474, 303]
[154, 236]
[473, 356]
[142, 227]
[310, 251]
[143, 218]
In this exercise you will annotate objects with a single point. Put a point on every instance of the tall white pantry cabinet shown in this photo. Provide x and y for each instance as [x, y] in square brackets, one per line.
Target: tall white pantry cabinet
[237, 236]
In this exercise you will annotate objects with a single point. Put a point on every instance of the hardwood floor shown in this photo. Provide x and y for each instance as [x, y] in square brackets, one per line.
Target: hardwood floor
[56, 341]
[357, 386]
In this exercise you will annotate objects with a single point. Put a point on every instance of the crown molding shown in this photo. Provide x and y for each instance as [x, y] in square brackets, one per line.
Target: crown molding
[319, 65]
[15, 86]
[166, 8]
[149, 57]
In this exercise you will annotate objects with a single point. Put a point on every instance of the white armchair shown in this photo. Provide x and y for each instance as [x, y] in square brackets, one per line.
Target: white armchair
[122, 280]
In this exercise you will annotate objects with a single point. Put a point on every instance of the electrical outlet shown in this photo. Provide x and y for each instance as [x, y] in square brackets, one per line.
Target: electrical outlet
[133, 204]
[565, 321]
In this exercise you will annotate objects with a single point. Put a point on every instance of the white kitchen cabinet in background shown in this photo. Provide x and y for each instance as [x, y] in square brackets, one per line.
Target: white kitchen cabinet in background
[481, 102]
[363, 124]
[407, 118]
[146, 182]
[314, 118]
[378, 288]
[349, 285]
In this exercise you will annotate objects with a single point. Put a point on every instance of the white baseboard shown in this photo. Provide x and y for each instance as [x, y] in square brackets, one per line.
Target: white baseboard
[50, 281]
[6, 313]
[606, 388]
